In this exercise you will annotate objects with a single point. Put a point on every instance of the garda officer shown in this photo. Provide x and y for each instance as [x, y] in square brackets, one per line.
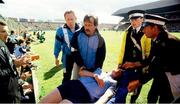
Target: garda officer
[134, 47]
[163, 66]
[162, 61]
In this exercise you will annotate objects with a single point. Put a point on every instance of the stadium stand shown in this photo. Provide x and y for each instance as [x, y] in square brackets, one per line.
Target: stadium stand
[1, 1]
[2, 18]
[22, 24]
[34, 26]
[105, 26]
[165, 8]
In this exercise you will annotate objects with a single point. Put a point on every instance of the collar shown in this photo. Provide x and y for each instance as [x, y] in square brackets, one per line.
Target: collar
[76, 26]
[2, 43]
[161, 37]
[137, 29]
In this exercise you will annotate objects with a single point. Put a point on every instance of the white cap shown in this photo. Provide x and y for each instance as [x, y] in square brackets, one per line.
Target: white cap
[136, 13]
[155, 19]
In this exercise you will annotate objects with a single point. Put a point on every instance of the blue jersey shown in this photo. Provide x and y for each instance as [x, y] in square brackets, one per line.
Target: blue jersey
[92, 86]
[88, 49]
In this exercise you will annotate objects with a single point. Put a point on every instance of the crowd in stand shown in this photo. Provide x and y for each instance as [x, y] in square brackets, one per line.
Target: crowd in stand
[40, 25]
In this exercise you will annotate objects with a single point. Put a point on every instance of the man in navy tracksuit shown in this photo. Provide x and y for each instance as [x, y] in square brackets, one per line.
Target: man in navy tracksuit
[62, 42]
[88, 47]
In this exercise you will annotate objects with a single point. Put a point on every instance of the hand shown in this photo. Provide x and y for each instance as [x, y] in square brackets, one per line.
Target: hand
[99, 81]
[116, 73]
[130, 65]
[133, 85]
[23, 76]
[57, 62]
[24, 60]
[26, 86]
[82, 68]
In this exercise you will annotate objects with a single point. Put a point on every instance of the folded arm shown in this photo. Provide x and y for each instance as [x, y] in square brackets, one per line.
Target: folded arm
[85, 73]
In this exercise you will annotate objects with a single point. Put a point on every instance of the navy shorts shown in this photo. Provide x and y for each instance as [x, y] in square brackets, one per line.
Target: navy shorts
[74, 91]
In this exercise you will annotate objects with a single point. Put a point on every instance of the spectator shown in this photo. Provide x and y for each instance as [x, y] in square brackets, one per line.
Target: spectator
[19, 49]
[9, 88]
[28, 46]
[12, 41]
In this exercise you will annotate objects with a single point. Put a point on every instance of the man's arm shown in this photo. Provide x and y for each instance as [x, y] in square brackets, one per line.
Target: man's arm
[133, 85]
[85, 73]
[132, 65]
[57, 45]
[100, 54]
[5, 69]
[24, 60]
[75, 50]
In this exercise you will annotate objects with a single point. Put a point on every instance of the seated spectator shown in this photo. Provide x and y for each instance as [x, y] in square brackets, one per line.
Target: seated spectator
[28, 91]
[19, 49]
[38, 35]
[27, 46]
[12, 41]
[90, 87]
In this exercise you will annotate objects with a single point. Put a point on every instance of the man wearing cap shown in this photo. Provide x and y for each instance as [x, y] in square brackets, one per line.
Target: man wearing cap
[163, 64]
[134, 47]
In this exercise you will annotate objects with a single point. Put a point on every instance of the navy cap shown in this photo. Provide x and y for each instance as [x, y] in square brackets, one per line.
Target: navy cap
[154, 19]
[136, 14]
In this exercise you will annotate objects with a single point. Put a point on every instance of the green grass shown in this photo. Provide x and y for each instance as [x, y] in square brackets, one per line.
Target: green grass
[49, 77]
[177, 34]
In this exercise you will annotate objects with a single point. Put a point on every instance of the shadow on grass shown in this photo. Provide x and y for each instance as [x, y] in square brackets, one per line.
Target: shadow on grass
[52, 72]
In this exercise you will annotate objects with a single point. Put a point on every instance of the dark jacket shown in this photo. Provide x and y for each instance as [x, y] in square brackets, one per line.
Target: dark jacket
[132, 53]
[164, 56]
[9, 88]
[80, 42]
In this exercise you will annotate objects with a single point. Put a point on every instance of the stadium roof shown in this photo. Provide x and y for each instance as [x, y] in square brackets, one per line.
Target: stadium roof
[1, 1]
[158, 7]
